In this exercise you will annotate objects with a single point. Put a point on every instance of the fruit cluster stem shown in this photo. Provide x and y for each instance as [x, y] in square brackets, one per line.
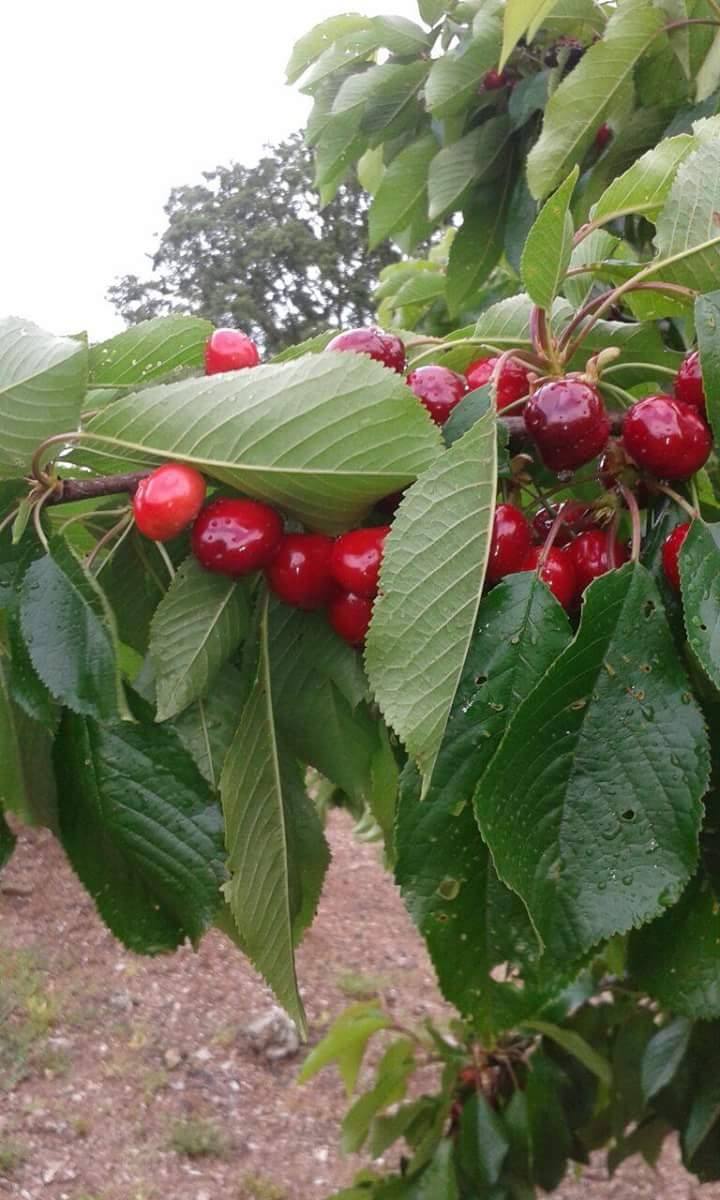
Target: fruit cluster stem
[70, 490]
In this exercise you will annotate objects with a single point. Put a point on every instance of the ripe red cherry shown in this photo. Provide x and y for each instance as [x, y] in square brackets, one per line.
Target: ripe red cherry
[235, 537]
[567, 419]
[168, 500]
[666, 437]
[575, 516]
[355, 560]
[510, 542]
[670, 551]
[511, 384]
[229, 350]
[300, 571]
[439, 389]
[557, 572]
[495, 79]
[689, 382]
[349, 615]
[383, 347]
[590, 556]
[603, 136]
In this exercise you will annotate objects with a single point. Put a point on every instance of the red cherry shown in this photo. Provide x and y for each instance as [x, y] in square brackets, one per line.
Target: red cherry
[300, 571]
[168, 500]
[689, 382]
[670, 552]
[355, 560]
[383, 347]
[590, 556]
[235, 537]
[567, 419]
[603, 136]
[557, 572]
[575, 516]
[510, 542]
[495, 79]
[349, 615]
[439, 389]
[511, 383]
[389, 504]
[229, 350]
[666, 437]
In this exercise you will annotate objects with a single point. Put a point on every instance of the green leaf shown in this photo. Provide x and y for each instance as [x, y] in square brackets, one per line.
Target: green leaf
[475, 157]
[276, 852]
[26, 689]
[27, 782]
[645, 186]
[392, 103]
[708, 77]
[324, 436]
[197, 627]
[528, 96]
[43, 379]
[7, 841]
[443, 867]
[146, 352]
[394, 1069]
[687, 230]
[522, 16]
[454, 78]
[133, 578]
[438, 1181]
[207, 728]
[423, 288]
[346, 1043]
[579, 105]
[483, 1143]
[402, 188]
[69, 631]
[700, 580]
[577, 1046]
[319, 39]
[550, 1136]
[430, 586]
[431, 10]
[549, 245]
[400, 36]
[707, 325]
[663, 1055]
[339, 145]
[345, 51]
[590, 252]
[704, 1115]
[478, 245]
[590, 847]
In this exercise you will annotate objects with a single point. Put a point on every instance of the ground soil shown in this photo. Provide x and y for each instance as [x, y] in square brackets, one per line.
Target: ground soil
[112, 1066]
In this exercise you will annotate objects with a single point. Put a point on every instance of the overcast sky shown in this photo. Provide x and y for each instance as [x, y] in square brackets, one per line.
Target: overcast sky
[110, 103]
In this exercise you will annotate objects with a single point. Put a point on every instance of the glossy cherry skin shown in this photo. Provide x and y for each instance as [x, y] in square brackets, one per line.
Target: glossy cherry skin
[495, 79]
[299, 573]
[575, 516]
[355, 560]
[557, 572]
[568, 422]
[385, 348]
[510, 542]
[603, 137]
[689, 382]
[349, 615]
[511, 383]
[590, 556]
[670, 552]
[229, 350]
[666, 438]
[439, 389]
[235, 537]
[167, 501]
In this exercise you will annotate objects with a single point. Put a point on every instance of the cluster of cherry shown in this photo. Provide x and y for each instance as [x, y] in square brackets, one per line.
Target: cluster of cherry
[665, 436]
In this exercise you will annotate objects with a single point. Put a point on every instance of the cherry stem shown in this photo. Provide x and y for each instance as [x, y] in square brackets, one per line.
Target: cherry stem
[634, 511]
[642, 366]
[68, 491]
[9, 518]
[552, 534]
[107, 537]
[578, 319]
[679, 500]
[611, 297]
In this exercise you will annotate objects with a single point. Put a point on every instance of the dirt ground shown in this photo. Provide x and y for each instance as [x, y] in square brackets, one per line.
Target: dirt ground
[115, 1071]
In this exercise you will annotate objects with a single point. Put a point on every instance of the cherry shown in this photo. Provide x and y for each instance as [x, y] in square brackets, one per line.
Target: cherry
[590, 556]
[168, 500]
[439, 389]
[355, 560]
[567, 419]
[689, 382]
[229, 350]
[383, 347]
[575, 515]
[557, 572]
[495, 79]
[666, 437]
[603, 136]
[511, 383]
[670, 552]
[349, 615]
[510, 542]
[300, 571]
[235, 537]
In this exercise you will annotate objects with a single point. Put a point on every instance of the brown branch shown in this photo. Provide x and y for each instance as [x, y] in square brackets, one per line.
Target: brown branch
[70, 490]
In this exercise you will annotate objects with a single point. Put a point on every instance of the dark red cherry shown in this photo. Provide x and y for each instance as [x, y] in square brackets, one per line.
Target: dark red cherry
[591, 553]
[229, 350]
[510, 542]
[576, 516]
[386, 348]
[355, 560]
[493, 80]
[439, 389]
[557, 572]
[689, 382]
[349, 616]
[670, 553]
[235, 537]
[511, 383]
[666, 437]
[603, 137]
[299, 573]
[568, 422]
[168, 500]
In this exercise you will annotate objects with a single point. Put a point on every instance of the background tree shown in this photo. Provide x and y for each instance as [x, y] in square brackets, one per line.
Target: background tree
[252, 247]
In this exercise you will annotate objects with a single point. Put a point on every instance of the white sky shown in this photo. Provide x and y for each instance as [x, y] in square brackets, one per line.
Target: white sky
[109, 104]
